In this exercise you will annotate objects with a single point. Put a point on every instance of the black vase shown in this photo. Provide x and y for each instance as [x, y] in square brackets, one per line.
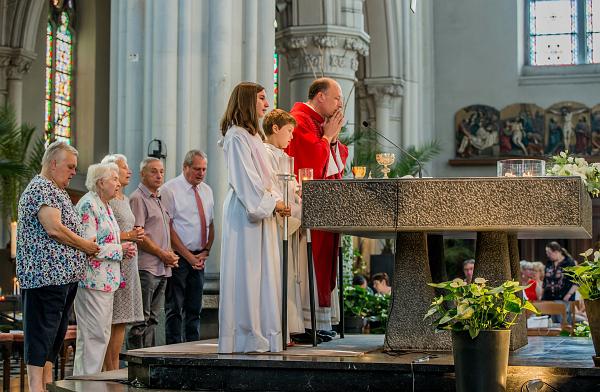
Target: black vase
[353, 324]
[592, 308]
[481, 364]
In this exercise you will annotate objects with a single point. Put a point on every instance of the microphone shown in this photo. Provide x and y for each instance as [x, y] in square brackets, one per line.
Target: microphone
[366, 125]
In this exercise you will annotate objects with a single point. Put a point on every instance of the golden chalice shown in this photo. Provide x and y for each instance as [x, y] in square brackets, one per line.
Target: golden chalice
[359, 171]
[385, 159]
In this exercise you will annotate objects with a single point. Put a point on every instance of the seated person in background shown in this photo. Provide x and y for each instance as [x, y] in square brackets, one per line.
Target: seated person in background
[534, 292]
[360, 280]
[468, 267]
[381, 283]
[580, 314]
[526, 269]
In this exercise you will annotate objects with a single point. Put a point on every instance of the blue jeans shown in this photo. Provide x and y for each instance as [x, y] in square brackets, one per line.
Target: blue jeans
[183, 303]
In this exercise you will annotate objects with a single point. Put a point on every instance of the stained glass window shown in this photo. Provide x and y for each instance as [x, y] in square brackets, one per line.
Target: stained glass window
[564, 32]
[59, 71]
[553, 32]
[593, 31]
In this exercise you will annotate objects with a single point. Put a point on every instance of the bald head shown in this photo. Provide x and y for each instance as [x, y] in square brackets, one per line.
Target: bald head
[325, 96]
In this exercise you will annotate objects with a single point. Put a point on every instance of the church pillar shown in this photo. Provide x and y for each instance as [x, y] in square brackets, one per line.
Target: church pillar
[14, 63]
[161, 72]
[250, 39]
[266, 46]
[386, 95]
[316, 51]
[219, 87]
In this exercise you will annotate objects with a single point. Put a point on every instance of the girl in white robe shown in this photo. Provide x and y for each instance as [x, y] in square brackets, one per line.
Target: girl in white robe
[250, 276]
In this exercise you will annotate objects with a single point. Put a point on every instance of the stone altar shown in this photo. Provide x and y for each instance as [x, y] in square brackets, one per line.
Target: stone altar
[499, 209]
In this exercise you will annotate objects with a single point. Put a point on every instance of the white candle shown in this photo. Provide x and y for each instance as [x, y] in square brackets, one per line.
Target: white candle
[509, 174]
[13, 240]
[14, 286]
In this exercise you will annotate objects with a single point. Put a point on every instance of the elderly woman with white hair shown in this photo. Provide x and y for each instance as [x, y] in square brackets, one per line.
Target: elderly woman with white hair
[127, 305]
[95, 295]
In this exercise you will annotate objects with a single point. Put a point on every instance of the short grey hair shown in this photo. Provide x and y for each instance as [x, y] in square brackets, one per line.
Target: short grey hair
[146, 161]
[98, 172]
[189, 157]
[469, 261]
[114, 158]
[54, 148]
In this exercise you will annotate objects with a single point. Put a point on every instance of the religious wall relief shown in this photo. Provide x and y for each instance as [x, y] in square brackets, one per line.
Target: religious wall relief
[477, 131]
[525, 129]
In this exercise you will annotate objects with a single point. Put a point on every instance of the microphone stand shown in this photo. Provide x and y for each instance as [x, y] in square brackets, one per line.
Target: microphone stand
[367, 126]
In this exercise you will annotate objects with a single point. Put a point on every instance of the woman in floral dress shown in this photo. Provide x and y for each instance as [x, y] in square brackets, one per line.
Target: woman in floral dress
[127, 304]
[94, 300]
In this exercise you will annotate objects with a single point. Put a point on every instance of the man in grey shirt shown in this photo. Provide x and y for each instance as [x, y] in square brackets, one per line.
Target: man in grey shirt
[155, 258]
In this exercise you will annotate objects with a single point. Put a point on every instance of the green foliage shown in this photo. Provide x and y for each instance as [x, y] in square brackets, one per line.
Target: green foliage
[348, 255]
[405, 165]
[587, 275]
[362, 303]
[582, 330]
[476, 307]
[366, 146]
[456, 251]
[20, 160]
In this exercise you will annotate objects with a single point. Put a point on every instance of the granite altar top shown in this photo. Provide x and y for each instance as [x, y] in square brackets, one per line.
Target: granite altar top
[532, 207]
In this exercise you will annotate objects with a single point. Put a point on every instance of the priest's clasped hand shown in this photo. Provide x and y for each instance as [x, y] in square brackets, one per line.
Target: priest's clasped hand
[333, 126]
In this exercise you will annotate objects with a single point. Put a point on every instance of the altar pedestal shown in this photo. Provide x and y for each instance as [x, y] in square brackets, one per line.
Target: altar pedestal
[499, 210]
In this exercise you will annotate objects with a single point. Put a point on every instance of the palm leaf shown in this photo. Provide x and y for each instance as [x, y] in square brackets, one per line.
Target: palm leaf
[407, 165]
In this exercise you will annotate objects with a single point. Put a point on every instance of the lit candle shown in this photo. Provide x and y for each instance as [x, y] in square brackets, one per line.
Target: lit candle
[528, 174]
[13, 240]
[509, 174]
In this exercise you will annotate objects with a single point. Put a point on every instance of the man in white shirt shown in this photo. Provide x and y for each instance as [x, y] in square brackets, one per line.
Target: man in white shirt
[192, 235]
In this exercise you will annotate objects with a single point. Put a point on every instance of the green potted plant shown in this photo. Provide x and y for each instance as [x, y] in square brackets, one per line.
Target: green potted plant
[479, 318]
[586, 275]
[356, 308]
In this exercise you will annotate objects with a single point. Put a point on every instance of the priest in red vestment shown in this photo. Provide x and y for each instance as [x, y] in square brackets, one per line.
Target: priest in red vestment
[315, 145]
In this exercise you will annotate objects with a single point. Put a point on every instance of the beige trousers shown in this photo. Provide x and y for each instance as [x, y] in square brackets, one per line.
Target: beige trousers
[93, 309]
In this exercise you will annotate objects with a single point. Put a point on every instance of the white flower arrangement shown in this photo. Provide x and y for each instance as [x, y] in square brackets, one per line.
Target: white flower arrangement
[564, 164]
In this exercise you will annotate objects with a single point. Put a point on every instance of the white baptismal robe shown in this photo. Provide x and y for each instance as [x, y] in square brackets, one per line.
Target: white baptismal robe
[250, 275]
[295, 320]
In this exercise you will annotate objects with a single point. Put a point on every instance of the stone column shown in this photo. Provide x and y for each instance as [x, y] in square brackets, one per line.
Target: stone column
[218, 89]
[266, 46]
[386, 94]
[250, 42]
[494, 257]
[411, 297]
[14, 63]
[317, 51]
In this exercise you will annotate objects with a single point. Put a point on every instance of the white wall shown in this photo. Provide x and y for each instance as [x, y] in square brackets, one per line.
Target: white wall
[478, 47]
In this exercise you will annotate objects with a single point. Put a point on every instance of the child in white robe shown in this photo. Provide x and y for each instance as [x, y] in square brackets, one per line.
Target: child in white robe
[278, 126]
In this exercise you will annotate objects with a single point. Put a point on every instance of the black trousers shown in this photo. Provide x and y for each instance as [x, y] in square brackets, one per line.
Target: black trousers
[183, 303]
[45, 321]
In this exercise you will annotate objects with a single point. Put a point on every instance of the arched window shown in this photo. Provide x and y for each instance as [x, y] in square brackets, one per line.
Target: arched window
[59, 71]
[563, 32]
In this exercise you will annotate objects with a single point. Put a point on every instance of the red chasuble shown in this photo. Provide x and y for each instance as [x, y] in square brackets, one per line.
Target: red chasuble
[309, 149]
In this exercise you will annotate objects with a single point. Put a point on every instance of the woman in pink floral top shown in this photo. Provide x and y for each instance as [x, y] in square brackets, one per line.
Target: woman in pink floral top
[94, 301]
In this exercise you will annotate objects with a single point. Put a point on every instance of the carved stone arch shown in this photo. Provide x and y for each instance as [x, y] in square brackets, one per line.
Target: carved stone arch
[21, 19]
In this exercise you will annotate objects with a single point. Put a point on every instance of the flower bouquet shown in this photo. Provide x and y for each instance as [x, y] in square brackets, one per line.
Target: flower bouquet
[564, 164]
